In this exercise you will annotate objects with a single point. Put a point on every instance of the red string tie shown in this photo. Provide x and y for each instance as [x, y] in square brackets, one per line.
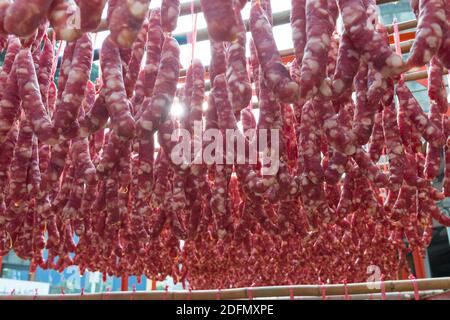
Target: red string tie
[134, 291]
[218, 294]
[416, 287]
[383, 288]
[166, 293]
[347, 297]
[324, 291]
[108, 291]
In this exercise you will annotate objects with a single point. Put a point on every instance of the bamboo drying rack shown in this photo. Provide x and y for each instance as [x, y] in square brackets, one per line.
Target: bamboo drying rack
[279, 18]
[425, 287]
[393, 289]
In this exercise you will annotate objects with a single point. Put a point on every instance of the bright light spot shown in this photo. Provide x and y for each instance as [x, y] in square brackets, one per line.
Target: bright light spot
[240, 126]
[205, 106]
[256, 114]
[177, 109]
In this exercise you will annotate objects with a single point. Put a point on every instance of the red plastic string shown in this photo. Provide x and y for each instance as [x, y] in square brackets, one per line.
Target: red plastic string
[53, 37]
[108, 291]
[218, 294]
[291, 293]
[134, 291]
[189, 294]
[62, 293]
[82, 291]
[398, 48]
[324, 291]
[249, 293]
[139, 280]
[166, 293]
[193, 37]
[347, 297]
[383, 289]
[416, 287]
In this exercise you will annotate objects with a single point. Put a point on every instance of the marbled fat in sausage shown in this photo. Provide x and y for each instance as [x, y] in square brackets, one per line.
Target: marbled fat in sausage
[23, 17]
[32, 100]
[66, 115]
[370, 44]
[430, 28]
[240, 89]
[126, 21]
[90, 14]
[114, 90]
[275, 73]
[170, 10]
[319, 28]
[221, 20]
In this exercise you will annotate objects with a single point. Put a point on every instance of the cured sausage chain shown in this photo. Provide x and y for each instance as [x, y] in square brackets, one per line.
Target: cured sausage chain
[332, 176]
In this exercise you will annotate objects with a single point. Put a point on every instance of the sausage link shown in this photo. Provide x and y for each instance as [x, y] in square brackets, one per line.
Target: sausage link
[12, 50]
[32, 100]
[9, 105]
[114, 90]
[419, 119]
[275, 73]
[298, 24]
[90, 14]
[126, 20]
[346, 66]
[156, 109]
[370, 44]
[220, 18]
[433, 158]
[394, 146]
[436, 85]
[23, 17]
[240, 89]
[170, 10]
[377, 139]
[62, 16]
[136, 59]
[319, 28]
[66, 116]
[146, 82]
[96, 118]
[431, 23]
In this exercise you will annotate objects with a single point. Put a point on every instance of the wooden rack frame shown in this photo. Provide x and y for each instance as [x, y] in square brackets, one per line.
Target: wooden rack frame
[424, 286]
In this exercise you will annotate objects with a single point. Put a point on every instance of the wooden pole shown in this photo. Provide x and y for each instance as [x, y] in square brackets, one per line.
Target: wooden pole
[262, 292]
[124, 283]
[409, 76]
[279, 18]
[288, 54]
[419, 266]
